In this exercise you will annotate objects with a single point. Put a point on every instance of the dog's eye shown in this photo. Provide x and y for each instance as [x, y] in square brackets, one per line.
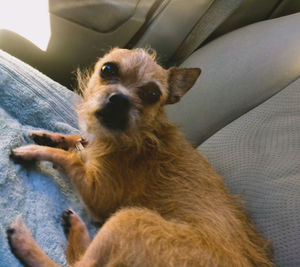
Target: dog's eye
[149, 93]
[109, 71]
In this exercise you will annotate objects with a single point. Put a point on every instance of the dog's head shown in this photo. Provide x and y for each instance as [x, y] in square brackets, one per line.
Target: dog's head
[128, 90]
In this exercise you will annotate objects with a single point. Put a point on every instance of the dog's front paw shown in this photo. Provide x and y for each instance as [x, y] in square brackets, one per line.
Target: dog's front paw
[44, 138]
[56, 140]
[25, 154]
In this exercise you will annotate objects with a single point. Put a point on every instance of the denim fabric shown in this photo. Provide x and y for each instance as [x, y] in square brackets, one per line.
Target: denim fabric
[31, 101]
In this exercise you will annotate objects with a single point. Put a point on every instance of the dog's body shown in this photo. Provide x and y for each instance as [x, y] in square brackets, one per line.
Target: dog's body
[162, 202]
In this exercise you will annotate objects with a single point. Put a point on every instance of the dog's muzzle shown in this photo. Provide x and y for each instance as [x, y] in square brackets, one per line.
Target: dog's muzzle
[115, 113]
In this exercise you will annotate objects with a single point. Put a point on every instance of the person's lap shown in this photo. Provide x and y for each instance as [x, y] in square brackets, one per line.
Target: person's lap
[31, 101]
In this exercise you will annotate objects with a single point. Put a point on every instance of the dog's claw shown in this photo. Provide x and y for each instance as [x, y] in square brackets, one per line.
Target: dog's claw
[19, 159]
[10, 231]
[43, 139]
[65, 220]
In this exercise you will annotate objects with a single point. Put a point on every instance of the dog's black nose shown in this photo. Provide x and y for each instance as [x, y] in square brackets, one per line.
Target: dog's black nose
[115, 113]
[119, 101]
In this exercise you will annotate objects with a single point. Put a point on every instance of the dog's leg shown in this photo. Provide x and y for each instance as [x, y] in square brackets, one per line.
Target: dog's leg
[77, 234]
[25, 248]
[69, 163]
[140, 237]
[89, 185]
[66, 142]
[58, 156]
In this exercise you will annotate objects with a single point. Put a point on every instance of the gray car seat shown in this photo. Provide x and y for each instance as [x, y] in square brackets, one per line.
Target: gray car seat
[244, 114]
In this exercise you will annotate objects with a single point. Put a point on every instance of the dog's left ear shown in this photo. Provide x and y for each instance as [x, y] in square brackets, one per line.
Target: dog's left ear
[180, 81]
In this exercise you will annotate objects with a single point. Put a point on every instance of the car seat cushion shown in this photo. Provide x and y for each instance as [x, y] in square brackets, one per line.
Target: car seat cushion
[258, 155]
[240, 70]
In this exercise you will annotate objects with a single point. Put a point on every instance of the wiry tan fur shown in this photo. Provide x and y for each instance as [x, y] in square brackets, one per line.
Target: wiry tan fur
[162, 203]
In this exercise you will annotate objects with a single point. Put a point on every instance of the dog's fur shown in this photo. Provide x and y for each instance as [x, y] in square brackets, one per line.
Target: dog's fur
[163, 203]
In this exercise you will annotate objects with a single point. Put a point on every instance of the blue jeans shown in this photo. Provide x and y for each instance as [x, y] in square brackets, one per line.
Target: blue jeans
[31, 101]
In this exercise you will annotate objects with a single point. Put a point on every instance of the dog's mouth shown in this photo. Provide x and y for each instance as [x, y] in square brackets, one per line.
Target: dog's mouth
[115, 113]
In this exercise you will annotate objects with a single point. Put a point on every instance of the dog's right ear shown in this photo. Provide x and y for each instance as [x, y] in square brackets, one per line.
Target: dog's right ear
[180, 81]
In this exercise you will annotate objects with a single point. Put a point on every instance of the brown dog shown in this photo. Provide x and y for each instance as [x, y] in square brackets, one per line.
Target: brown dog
[162, 202]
